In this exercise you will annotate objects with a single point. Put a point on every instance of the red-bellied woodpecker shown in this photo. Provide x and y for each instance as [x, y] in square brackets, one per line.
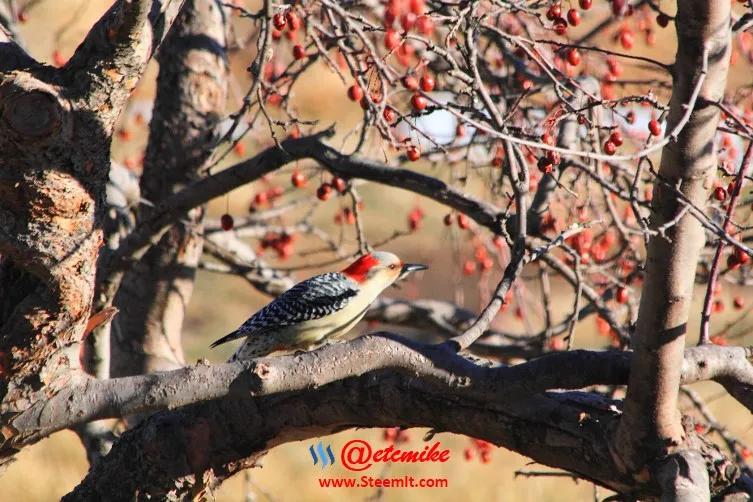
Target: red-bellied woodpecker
[323, 307]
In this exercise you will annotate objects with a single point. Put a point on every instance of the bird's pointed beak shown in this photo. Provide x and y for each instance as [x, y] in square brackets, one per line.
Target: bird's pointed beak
[409, 268]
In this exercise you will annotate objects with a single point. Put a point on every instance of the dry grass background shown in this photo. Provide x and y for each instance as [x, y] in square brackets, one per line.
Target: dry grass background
[51, 468]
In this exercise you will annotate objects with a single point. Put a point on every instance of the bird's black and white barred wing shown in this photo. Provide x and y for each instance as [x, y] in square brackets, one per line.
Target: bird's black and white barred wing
[313, 298]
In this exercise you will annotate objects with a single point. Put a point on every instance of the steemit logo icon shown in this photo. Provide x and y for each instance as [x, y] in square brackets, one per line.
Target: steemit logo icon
[319, 453]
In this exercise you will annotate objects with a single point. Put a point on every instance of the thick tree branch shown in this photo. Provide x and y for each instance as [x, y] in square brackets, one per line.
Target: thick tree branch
[355, 379]
[85, 399]
[108, 64]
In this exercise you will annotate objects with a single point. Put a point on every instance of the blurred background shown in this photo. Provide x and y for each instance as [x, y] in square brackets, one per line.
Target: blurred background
[51, 30]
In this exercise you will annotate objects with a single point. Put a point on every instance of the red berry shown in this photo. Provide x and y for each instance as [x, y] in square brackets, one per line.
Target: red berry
[560, 26]
[732, 262]
[622, 295]
[585, 4]
[391, 40]
[448, 219]
[556, 344]
[469, 267]
[407, 21]
[279, 21]
[654, 127]
[718, 308]
[416, 6]
[294, 22]
[498, 242]
[554, 12]
[609, 147]
[240, 149]
[338, 184]
[58, 59]
[389, 115]
[23, 16]
[746, 453]
[414, 153]
[662, 20]
[573, 17]
[469, 453]
[390, 434]
[739, 303]
[630, 118]
[410, 82]
[616, 138]
[463, 221]
[545, 165]
[427, 83]
[553, 158]
[573, 57]
[486, 457]
[226, 222]
[720, 193]
[324, 191]
[627, 39]
[298, 179]
[260, 198]
[424, 25]
[742, 256]
[355, 93]
[618, 6]
[418, 102]
[547, 139]
[650, 37]
[298, 51]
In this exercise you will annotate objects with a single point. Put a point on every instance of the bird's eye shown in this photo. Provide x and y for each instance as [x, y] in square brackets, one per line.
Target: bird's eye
[392, 267]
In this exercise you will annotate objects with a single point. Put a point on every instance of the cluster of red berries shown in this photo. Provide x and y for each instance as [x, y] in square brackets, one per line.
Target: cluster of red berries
[325, 189]
[346, 215]
[265, 196]
[464, 222]
[615, 140]
[559, 23]
[411, 15]
[288, 19]
[415, 217]
[480, 447]
[551, 159]
[737, 258]
[583, 244]
[396, 435]
[280, 243]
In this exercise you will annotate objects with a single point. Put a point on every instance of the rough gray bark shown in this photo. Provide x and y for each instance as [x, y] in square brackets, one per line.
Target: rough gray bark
[683, 478]
[191, 96]
[85, 398]
[55, 134]
[651, 424]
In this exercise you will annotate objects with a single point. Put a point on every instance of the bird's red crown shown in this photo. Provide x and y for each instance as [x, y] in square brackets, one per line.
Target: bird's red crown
[360, 268]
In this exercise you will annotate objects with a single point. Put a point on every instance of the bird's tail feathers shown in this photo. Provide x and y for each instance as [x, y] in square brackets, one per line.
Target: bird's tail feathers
[228, 338]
